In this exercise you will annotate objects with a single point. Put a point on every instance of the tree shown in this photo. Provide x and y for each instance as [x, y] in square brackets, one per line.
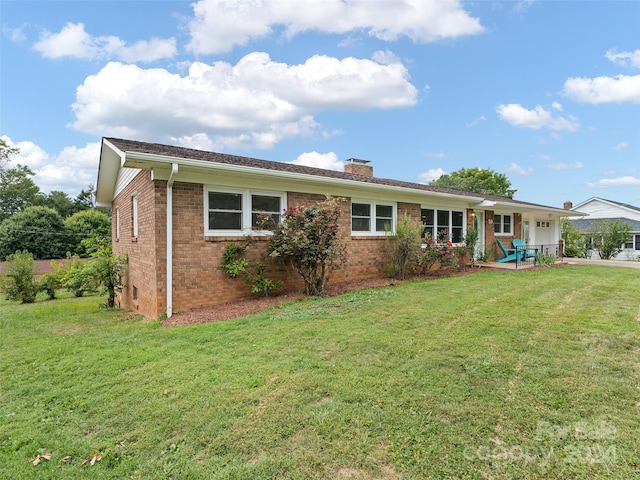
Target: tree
[84, 200]
[87, 224]
[38, 229]
[477, 180]
[575, 244]
[608, 237]
[5, 152]
[308, 239]
[17, 190]
[59, 201]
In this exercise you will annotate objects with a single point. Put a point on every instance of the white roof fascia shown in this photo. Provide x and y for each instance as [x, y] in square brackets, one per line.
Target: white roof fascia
[146, 157]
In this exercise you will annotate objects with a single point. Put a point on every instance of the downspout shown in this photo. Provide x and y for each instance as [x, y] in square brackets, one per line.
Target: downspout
[174, 172]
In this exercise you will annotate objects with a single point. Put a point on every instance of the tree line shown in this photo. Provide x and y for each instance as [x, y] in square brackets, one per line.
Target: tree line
[49, 226]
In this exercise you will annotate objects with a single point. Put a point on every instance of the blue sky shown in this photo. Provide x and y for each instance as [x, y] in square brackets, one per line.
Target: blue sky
[546, 92]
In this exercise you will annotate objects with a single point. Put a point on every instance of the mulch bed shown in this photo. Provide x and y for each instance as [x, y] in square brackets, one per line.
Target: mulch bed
[253, 305]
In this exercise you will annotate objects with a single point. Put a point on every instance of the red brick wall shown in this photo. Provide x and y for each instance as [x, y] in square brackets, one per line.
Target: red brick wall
[143, 269]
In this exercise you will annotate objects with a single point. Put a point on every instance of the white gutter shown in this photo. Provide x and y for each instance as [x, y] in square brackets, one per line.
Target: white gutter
[174, 172]
[185, 162]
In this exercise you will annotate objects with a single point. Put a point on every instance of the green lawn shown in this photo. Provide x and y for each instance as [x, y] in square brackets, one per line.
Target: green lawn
[527, 374]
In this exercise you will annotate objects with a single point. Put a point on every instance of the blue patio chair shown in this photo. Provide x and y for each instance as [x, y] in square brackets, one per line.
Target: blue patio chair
[510, 254]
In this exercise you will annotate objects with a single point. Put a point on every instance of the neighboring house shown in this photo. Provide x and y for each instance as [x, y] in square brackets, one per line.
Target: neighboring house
[599, 209]
[175, 210]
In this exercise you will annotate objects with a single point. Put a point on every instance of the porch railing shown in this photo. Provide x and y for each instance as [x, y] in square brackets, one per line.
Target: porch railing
[530, 255]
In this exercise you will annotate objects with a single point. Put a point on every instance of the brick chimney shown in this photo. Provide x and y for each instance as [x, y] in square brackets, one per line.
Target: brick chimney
[568, 205]
[358, 167]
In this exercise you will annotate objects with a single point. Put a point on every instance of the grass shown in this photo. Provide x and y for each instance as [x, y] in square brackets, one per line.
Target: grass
[530, 374]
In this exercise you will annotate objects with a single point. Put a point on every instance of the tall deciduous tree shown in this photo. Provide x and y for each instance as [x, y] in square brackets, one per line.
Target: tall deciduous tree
[17, 190]
[477, 180]
[88, 224]
[5, 152]
[40, 230]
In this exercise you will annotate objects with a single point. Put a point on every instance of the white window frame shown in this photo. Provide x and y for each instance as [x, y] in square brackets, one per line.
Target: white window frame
[246, 211]
[437, 227]
[502, 233]
[372, 218]
[134, 215]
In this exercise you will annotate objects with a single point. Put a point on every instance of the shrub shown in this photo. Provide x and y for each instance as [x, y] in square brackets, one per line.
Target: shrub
[50, 283]
[234, 264]
[74, 276]
[105, 271]
[308, 239]
[441, 252]
[19, 280]
[545, 259]
[403, 247]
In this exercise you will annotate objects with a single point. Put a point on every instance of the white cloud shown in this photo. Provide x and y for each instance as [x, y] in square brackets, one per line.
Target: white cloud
[565, 166]
[69, 171]
[328, 161]
[557, 106]
[518, 116]
[626, 59]
[219, 25]
[618, 89]
[481, 118]
[515, 168]
[73, 41]
[431, 175]
[616, 182]
[620, 146]
[253, 104]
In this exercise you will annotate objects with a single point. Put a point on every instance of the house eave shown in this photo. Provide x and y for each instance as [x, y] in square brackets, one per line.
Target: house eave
[153, 161]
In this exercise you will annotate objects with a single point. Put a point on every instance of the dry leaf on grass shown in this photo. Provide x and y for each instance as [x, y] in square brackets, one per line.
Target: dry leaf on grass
[40, 457]
[92, 458]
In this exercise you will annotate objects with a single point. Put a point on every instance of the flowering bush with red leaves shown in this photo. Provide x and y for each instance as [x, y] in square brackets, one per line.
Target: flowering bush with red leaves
[439, 251]
[308, 239]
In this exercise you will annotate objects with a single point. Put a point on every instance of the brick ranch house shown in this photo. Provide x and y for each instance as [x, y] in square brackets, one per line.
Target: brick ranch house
[175, 210]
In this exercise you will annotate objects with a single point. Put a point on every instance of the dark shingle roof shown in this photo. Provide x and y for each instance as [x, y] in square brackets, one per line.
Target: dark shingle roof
[223, 158]
[585, 224]
[632, 207]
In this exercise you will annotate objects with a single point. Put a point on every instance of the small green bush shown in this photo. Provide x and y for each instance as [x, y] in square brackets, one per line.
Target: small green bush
[50, 283]
[19, 280]
[253, 273]
[75, 277]
[403, 247]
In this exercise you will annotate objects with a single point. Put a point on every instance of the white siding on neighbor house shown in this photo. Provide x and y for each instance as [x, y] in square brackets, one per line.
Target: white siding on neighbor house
[597, 208]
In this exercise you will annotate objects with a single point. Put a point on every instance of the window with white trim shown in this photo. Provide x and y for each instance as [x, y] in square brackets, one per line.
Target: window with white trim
[634, 243]
[236, 212]
[438, 222]
[502, 224]
[372, 218]
[134, 215]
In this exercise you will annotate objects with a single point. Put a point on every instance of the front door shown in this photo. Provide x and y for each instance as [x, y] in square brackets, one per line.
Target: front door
[525, 232]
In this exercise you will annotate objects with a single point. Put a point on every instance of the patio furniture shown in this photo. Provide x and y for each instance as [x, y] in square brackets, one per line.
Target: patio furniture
[510, 254]
[527, 252]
